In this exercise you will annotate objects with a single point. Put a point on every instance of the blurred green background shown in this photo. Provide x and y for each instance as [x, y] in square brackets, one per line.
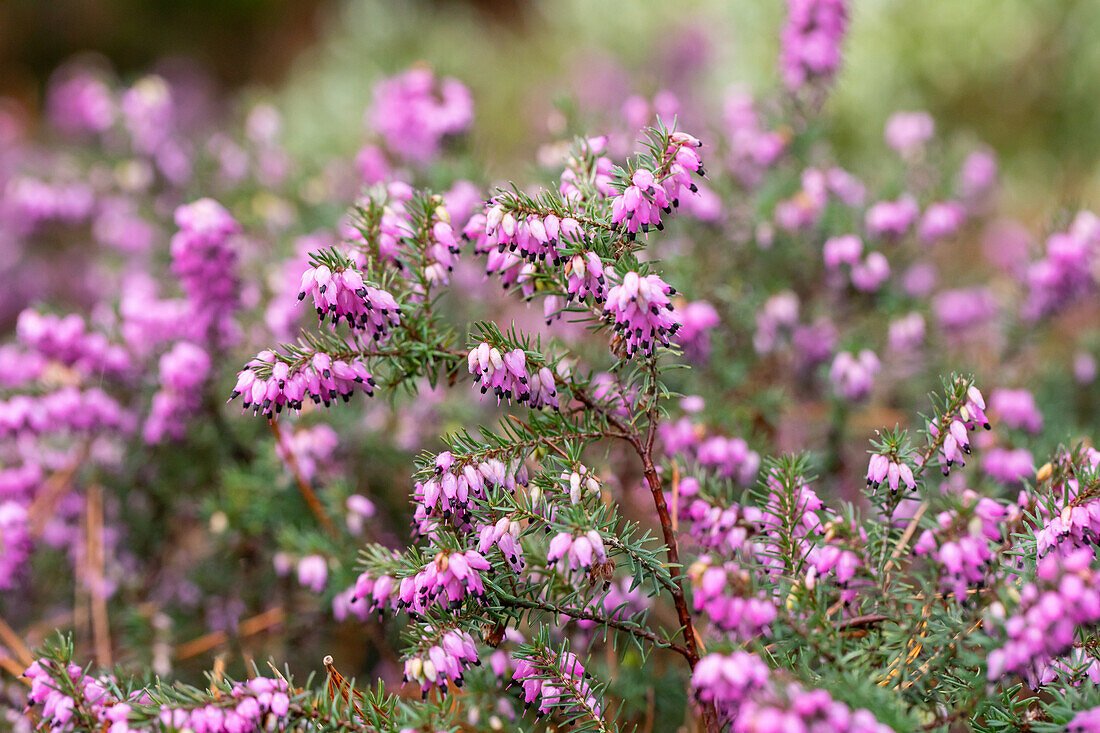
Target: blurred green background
[1020, 75]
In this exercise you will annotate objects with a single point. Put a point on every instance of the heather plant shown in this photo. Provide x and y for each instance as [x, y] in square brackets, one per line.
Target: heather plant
[700, 427]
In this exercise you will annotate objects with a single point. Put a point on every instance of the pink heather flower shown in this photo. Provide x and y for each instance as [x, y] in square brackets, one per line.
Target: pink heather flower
[204, 260]
[65, 339]
[509, 379]
[814, 342]
[907, 132]
[641, 203]
[977, 175]
[1063, 597]
[869, 275]
[740, 685]
[1063, 273]
[906, 333]
[310, 447]
[586, 278]
[504, 535]
[845, 186]
[313, 572]
[533, 238]
[940, 221]
[804, 209]
[919, 280]
[15, 541]
[31, 202]
[778, 314]
[729, 457]
[414, 111]
[445, 581]
[721, 593]
[1084, 367]
[372, 166]
[891, 218]
[1086, 721]
[539, 684]
[752, 149]
[1016, 409]
[844, 249]
[442, 661]
[79, 102]
[120, 226]
[148, 110]
[893, 472]
[320, 378]
[571, 552]
[183, 372]
[698, 319]
[810, 41]
[641, 310]
[957, 310]
[957, 442]
[1008, 466]
[341, 293]
[448, 493]
[853, 376]
[649, 193]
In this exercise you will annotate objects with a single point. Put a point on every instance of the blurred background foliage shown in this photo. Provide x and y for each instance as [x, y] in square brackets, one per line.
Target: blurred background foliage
[1019, 75]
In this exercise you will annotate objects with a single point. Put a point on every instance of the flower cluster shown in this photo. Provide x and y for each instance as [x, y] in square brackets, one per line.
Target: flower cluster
[442, 661]
[1016, 409]
[183, 371]
[204, 259]
[956, 440]
[752, 700]
[649, 193]
[341, 293]
[449, 492]
[586, 278]
[555, 684]
[504, 535]
[414, 111]
[66, 340]
[508, 377]
[723, 594]
[1064, 597]
[641, 310]
[895, 472]
[448, 579]
[811, 41]
[319, 377]
[572, 552]
[853, 376]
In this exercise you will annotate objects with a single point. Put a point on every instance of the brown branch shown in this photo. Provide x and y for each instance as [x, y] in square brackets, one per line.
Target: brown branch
[42, 508]
[15, 643]
[248, 627]
[101, 629]
[303, 486]
[613, 623]
[907, 535]
[859, 621]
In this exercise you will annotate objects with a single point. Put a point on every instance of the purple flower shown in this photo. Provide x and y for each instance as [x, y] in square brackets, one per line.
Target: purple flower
[810, 41]
[698, 319]
[891, 218]
[341, 293]
[414, 111]
[1016, 409]
[641, 310]
[854, 376]
[940, 221]
[907, 132]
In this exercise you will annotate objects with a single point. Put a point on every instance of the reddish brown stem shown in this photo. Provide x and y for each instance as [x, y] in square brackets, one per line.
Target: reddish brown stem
[306, 490]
